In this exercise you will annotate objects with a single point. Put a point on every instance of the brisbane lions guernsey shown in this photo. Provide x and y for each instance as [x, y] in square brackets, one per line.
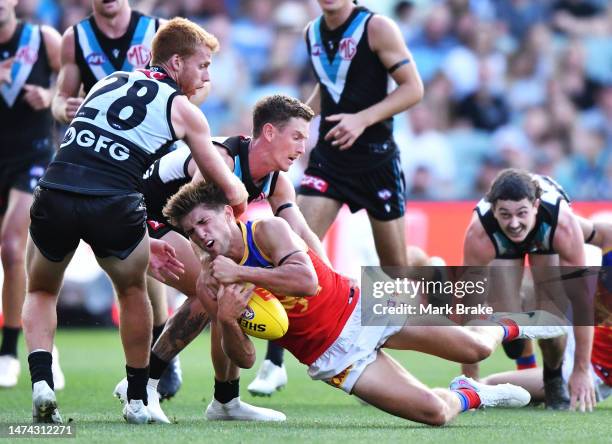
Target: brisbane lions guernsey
[120, 127]
[315, 321]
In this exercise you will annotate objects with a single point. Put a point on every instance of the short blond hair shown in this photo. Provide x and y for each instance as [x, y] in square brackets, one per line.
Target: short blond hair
[180, 36]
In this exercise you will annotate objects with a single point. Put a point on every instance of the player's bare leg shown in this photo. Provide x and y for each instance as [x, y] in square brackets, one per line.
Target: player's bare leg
[390, 241]
[319, 212]
[530, 379]
[136, 323]
[387, 385]
[39, 318]
[13, 238]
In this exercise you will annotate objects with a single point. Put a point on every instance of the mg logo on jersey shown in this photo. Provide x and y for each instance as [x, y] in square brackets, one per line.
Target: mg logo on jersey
[95, 59]
[87, 139]
[26, 55]
[139, 55]
[348, 48]
[316, 183]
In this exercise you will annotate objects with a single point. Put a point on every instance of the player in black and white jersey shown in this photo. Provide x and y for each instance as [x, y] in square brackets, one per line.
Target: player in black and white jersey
[280, 129]
[29, 56]
[526, 215]
[354, 54]
[113, 38]
[91, 191]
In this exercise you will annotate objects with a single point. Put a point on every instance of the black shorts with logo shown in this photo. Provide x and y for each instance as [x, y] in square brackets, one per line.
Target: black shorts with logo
[158, 227]
[380, 190]
[23, 173]
[111, 225]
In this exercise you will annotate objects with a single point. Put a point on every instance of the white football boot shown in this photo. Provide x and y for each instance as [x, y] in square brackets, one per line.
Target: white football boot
[135, 412]
[155, 410]
[44, 404]
[236, 410]
[270, 378]
[501, 395]
[537, 324]
[59, 381]
[9, 371]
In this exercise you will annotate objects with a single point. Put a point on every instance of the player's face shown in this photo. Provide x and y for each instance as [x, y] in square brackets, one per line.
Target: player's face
[333, 5]
[7, 9]
[108, 8]
[516, 218]
[193, 74]
[289, 142]
[209, 229]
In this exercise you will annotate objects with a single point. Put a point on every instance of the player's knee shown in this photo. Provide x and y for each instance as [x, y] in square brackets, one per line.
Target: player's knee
[12, 252]
[477, 351]
[434, 411]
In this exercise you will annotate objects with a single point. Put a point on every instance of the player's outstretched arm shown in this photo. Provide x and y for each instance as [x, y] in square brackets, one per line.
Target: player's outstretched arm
[66, 101]
[191, 125]
[568, 243]
[232, 300]
[283, 199]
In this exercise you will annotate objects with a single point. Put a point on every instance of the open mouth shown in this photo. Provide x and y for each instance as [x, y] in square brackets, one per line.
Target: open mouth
[210, 243]
[106, 2]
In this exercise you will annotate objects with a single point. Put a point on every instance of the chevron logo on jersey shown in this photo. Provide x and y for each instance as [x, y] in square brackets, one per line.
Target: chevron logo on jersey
[332, 74]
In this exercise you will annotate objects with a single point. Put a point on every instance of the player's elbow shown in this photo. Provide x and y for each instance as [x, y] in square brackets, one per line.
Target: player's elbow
[308, 285]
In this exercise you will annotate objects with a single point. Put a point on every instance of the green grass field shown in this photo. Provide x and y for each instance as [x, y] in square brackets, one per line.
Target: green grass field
[92, 361]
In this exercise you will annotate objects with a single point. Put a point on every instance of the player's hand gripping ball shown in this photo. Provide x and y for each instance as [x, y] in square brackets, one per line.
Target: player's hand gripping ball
[264, 317]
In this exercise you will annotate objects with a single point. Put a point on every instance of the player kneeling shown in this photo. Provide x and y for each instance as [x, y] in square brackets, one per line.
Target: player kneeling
[324, 312]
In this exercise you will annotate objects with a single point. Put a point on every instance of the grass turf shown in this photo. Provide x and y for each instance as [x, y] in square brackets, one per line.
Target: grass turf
[92, 362]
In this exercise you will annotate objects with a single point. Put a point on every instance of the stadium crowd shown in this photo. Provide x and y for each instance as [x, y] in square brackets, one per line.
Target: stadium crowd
[509, 83]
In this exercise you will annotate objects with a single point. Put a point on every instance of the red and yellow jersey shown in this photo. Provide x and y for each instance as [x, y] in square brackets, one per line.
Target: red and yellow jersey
[316, 321]
[601, 356]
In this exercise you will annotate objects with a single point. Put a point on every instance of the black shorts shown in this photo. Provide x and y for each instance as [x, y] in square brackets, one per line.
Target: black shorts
[380, 191]
[111, 225]
[22, 174]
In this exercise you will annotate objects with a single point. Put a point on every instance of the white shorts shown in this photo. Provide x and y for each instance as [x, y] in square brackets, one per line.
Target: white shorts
[602, 390]
[344, 361]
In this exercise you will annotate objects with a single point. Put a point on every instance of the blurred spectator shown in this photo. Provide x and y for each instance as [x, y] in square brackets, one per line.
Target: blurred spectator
[253, 36]
[490, 167]
[572, 78]
[485, 109]
[478, 45]
[433, 42]
[427, 154]
[519, 16]
[580, 17]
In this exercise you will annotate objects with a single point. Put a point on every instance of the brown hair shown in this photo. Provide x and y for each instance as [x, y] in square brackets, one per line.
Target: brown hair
[192, 195]
[278, 110]
[180, 36]
[514, 184]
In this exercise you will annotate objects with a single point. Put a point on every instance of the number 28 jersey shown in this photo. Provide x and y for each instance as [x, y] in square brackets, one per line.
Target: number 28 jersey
[115, 135]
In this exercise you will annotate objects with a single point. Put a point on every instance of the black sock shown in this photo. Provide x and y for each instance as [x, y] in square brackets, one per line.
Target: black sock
[40, 367]
[9, 341]
[157, 331]
[550, 373]
[137, 383]
[157, 366]
[275, 353]
[226, 391]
